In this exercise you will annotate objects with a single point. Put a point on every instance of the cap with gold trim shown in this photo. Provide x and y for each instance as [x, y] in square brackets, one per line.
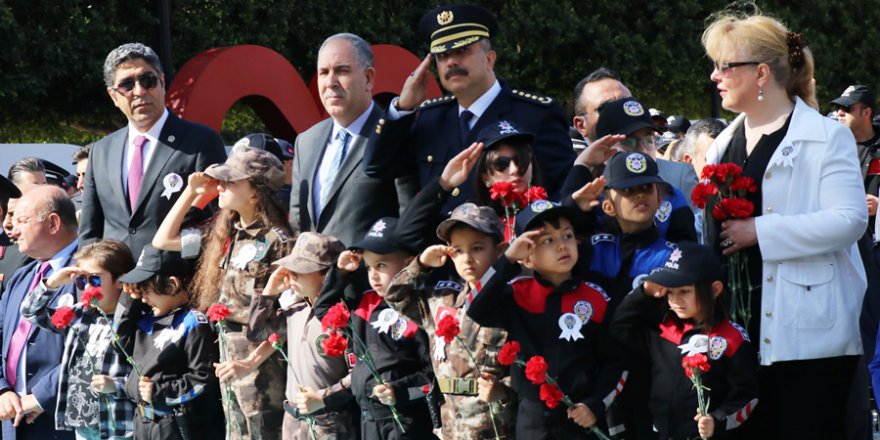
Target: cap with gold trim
[455, 26]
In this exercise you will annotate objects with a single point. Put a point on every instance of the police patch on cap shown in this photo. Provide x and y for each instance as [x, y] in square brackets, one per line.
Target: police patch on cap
[378, 229]
[636, 163]
[672, 262]
[505, 127]
[541, 205]
[633, 108]
[445, 18]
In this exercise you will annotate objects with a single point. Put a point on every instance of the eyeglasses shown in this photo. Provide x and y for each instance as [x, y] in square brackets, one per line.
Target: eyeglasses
[80, 281]
[148, 81]
[849, 109]
[502, 163]
[632, 143]
[725, 67]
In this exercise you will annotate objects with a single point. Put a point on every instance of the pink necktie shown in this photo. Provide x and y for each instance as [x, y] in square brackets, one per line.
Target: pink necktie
[19, 338]
[136, 171]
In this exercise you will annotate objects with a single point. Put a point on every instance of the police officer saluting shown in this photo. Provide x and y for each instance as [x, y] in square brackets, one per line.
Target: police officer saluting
[424, 135]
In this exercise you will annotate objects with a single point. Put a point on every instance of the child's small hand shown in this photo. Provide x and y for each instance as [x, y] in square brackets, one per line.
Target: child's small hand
[523, 245]
[587, 197]
[705, 425]
[145, 386]
[582, 415]
[278, 282]
[349, 261]
[63, 276]
[654, 290]
[234, 370]
[103, 384]
[488, 388]
[384, 393]
[435, 256]
[308, 400]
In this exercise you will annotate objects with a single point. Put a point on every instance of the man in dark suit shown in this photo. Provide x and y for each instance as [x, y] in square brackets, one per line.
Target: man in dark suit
[330, 193]
[45, 230]
[135, 175]
[424, 137]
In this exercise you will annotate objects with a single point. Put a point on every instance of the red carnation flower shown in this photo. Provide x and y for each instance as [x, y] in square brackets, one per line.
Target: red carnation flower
[507, 354]
[218, 312]
[334, 345]
[62, 317]
[697, 361]
[273, 338]
[702, 192]
[726, 172]
[91, 296]
[733, 207]
[336, 318]
[551, 395]
[426, 389]
[708, 172]
[536, 370]
[534, 193]
[505, 193]
[448, 328]
[743, 183]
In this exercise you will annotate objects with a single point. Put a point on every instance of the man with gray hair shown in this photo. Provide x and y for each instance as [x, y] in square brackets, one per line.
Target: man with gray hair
[25, 174]
[330, 194]
[135, 175]
[696, 142]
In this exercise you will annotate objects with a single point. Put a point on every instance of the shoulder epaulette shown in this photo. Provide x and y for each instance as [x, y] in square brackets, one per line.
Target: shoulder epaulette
[437, 101]
[283, 236]
[532, 97]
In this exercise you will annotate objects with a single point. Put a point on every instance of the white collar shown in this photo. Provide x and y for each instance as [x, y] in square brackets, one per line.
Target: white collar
[152, 134]
[482, 103]
[354, 129]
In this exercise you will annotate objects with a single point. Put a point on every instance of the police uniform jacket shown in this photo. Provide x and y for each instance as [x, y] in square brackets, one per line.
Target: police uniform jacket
[428, 138]
[645, 329]
[177, 352]
[588, 369]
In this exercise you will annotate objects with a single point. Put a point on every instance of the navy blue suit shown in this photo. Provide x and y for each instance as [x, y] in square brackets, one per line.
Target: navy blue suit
[427, 139]
[44, 350]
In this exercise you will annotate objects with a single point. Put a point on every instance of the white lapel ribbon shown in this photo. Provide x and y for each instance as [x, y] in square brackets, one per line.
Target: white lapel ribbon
[387, 318]
[570, 325]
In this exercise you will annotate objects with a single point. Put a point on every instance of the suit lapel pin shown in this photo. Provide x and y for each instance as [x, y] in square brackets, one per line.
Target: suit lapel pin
[570, 325]
[788, 155]
[173, 183]
[171, 139]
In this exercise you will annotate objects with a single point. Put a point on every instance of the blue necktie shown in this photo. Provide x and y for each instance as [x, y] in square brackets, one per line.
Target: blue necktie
[465, 125]
[342, 139]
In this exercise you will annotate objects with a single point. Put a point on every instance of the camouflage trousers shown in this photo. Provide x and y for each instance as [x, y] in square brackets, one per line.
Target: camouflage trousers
[467, 418]
[331, 426]
[256, 409]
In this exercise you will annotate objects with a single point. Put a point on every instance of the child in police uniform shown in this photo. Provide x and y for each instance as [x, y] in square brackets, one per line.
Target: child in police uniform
[398, 348]
[693, 322]
[553, 315]
[325, 390]
[174, 349]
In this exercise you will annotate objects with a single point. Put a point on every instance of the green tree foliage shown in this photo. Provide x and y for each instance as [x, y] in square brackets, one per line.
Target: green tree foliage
[52, 53]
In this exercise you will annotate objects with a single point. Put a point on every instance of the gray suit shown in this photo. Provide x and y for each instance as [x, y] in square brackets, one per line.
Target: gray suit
[355, 200]
[680, 175]
[183, 148]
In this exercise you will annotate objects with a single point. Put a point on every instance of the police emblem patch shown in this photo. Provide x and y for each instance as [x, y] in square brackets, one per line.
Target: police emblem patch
[318, 342]
[672, 262]
[636, 163]
[583, 310]
[445, 18]
[633, 108]
[717, 345]
[505, 127]
[663, 212]
[541, 205]
[262, 246]
[849, 90]
[377, 229]
[787, 150]
[398, 329]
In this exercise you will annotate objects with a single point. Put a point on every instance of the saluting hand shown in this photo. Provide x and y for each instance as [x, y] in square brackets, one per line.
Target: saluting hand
[415, 89]
[600, 150]
[654, 290]
[459, 167]
[278, 282]
[523, 245]
[435, 256]
[587, 197]
[349, 261]
[63, 276]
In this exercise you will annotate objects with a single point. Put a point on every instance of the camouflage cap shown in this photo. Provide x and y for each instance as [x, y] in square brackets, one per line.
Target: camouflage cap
[312, 253]
[249, 163]
[481, 218]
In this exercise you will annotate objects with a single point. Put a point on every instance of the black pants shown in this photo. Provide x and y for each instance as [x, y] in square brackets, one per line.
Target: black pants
[377, 423]
[803, 400]
[162, 428]
[535, 422]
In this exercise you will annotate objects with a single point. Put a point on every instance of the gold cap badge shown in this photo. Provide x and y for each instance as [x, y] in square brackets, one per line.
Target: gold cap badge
[445, 18]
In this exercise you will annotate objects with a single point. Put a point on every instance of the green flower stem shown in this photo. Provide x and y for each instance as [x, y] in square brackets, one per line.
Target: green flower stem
[367, 359]
[480, 374]
[230, 395]
[117, 340]
[310, 420]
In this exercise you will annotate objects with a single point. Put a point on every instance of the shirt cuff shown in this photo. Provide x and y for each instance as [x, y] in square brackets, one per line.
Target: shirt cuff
[395, 113]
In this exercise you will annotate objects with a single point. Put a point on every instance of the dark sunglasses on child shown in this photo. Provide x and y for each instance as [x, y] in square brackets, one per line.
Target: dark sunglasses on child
[502, 163]
[81, 280]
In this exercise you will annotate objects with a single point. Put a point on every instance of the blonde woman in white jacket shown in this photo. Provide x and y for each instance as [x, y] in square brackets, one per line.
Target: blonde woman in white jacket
[809, 212]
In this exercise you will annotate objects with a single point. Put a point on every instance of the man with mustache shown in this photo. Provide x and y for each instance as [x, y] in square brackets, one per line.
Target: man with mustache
[424, 135]
[330, 194]
[135, 174]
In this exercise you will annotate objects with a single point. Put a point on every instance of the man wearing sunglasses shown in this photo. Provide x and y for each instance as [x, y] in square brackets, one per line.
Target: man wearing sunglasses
[135, 175]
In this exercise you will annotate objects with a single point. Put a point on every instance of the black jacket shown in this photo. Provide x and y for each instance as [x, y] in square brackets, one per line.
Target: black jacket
[640, 325]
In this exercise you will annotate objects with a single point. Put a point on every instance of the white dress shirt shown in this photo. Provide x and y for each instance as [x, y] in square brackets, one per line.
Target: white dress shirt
[152, 136]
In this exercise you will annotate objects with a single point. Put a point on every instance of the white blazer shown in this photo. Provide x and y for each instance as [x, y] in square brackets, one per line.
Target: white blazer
[814, 211]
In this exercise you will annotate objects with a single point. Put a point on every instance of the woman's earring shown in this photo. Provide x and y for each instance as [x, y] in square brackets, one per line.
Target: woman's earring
[760, 94]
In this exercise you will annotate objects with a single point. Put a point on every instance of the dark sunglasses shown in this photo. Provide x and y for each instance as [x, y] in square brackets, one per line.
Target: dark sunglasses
[81, 280]
[148, 81]
[502, 163]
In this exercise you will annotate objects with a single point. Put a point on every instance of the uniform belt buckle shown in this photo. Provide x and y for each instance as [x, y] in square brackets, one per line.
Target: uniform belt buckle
[466, 386]
[146, 412]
